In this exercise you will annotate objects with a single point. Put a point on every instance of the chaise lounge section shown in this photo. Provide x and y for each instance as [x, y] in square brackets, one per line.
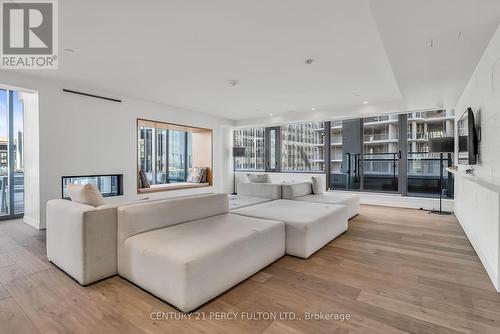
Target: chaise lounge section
[189, 250]
[303, 191]
[309, 226]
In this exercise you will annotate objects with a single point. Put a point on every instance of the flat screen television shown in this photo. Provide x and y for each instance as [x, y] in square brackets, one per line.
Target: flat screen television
[467, 139]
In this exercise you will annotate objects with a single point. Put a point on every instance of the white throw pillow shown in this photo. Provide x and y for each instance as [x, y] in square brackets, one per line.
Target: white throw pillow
[85, 194]
[317, 185]
[258, 178]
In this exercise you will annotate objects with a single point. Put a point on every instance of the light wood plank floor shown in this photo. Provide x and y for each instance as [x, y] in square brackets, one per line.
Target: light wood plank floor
[394, 271]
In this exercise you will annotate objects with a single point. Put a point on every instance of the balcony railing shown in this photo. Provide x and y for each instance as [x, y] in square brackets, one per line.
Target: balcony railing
[426, 135]
[18, 194]
[379, 119]
[430, 115]
[380, 172]
[336, 140]
[380, 137]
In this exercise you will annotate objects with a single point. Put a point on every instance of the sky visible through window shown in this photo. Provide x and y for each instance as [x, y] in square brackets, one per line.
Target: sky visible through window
[18, 115]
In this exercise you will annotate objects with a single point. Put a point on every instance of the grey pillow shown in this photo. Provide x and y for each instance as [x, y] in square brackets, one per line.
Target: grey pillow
[317, 185]
[196, 175]
[258, 178]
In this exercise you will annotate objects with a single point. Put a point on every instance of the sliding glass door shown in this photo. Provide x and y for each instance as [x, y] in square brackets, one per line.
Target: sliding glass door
[381, 154]
[365, 154]
[390, 154]
[11, 155]
[425, 169]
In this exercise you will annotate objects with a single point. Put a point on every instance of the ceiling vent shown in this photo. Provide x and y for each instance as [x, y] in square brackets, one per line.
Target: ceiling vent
[91, 95]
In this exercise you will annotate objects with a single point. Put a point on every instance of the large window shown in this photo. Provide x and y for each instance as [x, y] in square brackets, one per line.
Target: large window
[381, 153]
[424, 168]
[387, 153]
[302, 147]
[253, 142]
[11, 154]
[291, 148]
[167, 153]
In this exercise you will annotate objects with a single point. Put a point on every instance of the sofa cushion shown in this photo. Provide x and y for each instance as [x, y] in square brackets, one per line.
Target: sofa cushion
[309, 226]
[258, 178]
[85, 194]
[291, 190]
[142, 217]
[189, 264]
[237, 201]
[329, 197]
[265, 190]
[318, 187]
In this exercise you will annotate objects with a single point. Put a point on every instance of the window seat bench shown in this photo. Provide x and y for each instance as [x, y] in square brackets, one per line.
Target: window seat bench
[171, 186]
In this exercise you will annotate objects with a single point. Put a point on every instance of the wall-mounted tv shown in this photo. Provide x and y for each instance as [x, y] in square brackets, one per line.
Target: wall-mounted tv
[467, 139]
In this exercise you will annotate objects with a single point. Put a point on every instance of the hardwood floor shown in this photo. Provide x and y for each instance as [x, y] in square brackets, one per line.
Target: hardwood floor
[394, 271]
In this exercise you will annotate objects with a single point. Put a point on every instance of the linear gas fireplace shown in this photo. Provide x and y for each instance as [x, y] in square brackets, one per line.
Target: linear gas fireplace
[109, 184]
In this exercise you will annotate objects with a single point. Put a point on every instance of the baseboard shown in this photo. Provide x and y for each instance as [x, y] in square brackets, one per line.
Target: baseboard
[395, 200]
[32, 222]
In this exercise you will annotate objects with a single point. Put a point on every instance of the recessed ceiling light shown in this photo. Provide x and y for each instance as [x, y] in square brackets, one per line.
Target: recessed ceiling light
[309, 61]
[233, 83]
[270, 114]
[366, 102]
[313, 109]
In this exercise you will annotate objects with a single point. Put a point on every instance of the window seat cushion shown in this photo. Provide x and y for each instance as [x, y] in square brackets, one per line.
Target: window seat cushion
[171, 186]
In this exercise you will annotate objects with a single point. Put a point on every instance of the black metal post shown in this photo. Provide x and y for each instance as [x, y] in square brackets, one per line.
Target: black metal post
[234, 175]
[11, 153]
[441, 166]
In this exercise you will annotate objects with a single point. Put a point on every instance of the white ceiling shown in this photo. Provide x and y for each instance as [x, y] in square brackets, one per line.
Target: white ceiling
[459, 31]
[184, 52]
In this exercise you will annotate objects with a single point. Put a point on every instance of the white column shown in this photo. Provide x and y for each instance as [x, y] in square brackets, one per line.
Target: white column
[32, 210]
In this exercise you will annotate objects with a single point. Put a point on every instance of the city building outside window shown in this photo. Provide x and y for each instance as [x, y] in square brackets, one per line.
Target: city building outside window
[253, 141]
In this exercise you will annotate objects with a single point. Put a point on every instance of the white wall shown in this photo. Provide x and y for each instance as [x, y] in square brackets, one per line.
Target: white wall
[477, 197]
[227, 160]
[81, 135]
[482, 93]
[31, 158]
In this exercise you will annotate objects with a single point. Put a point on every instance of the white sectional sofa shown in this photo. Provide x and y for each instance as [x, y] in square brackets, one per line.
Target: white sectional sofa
[309, 226]
[81, 239]
[302, 191]
[189, 250]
